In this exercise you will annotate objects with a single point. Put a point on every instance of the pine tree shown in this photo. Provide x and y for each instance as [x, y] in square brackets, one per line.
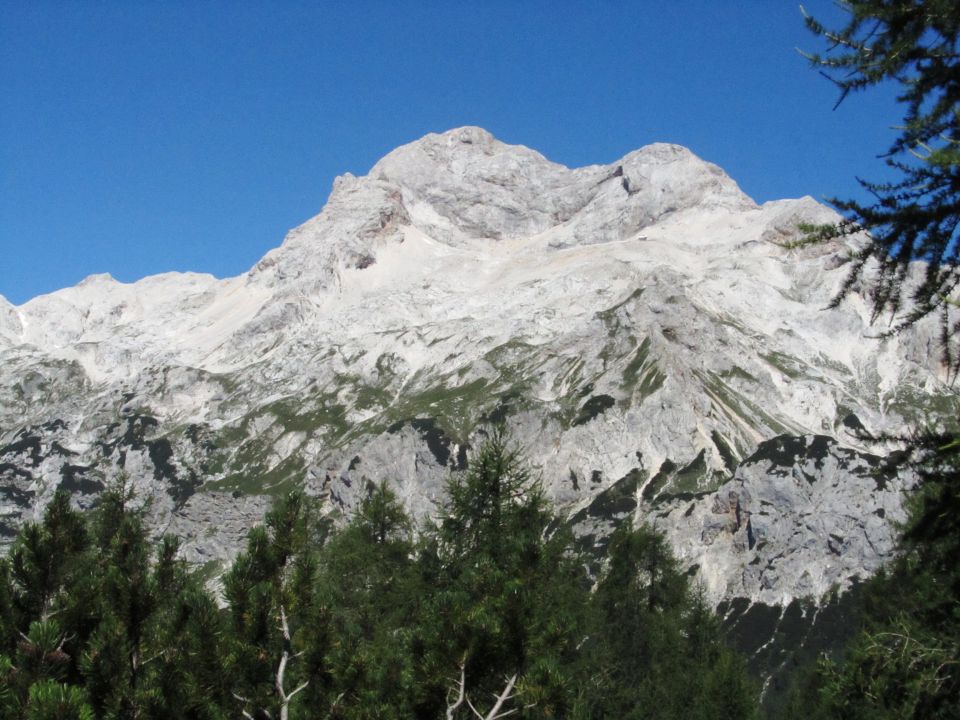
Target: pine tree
[507, 609]
[904, 663]
[266, 617]
[98, 623]
[655, 650]
[47, 561]
[53, 701]
[912, 43]
[369, 590]
[43, 559]
[149, 611]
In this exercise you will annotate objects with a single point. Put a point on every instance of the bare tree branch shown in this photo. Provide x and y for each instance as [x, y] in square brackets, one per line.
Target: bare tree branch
[461, 695]
[283, 624]
[299, 688]
[245, 702]
[501, 699]
[336, 701]
[496, 712]
[282, 667]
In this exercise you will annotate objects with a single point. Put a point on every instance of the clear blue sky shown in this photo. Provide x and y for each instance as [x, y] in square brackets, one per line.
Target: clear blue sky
[142, 137]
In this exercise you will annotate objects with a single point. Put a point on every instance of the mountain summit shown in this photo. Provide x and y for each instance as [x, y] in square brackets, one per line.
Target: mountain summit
[641, 327]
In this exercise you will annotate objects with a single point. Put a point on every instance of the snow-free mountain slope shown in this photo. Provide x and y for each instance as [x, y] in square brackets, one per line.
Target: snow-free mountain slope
[639, 326]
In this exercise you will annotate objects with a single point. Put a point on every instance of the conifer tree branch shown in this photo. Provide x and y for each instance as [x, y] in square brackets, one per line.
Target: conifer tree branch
[495, 712]
[501, 699]
[461, 694]
[245, 702]
[298, 689]
[285, 657]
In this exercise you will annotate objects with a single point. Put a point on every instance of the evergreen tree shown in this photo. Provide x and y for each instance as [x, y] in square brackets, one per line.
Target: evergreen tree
[904, 663]
[142, 658]
[369, 590]
[914, 44]
[46, 563]
[53, 701]
[489, 612]
[97, 624]
[655, 650]
[508, 605]
[7, 612]
[44, 558]
[266, 616]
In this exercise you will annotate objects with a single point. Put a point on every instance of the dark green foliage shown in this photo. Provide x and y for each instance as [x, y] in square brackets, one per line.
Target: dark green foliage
[52, 701]
[43, 559]
[92, 620]
[369, 592]
[904, 662]
[134, 661]
[655, 650]
[8, 622]
[266, 616]
[489, 604]
[913, 44]
[510, 595]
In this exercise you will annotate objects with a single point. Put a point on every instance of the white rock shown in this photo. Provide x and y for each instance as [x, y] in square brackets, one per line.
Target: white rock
[620, 317]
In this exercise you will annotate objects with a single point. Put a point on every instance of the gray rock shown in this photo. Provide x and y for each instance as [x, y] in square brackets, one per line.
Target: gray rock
[640, 326]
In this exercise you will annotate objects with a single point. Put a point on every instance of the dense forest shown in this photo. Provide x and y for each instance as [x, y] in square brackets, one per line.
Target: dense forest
[487, 612]
[491, 610]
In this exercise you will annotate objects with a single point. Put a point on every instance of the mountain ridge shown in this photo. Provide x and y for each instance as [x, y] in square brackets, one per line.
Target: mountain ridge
[640, 326]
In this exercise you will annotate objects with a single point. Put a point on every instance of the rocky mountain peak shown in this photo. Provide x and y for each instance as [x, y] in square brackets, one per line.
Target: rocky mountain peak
[454, 149]
[466, 189]
[640, 326]
[97, 279]
[487, 189]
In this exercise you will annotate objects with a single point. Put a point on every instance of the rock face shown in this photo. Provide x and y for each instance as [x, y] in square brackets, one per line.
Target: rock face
[801, 516]
[640, 326]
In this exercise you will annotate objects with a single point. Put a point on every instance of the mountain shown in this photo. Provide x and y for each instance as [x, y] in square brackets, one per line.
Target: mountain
[642, 327]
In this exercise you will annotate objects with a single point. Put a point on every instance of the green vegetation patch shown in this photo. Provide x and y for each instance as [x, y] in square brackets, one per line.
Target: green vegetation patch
[642, 376]
[515, 359]
[792, 367]
[673, 483]
[832, 364]
[455, 408]
[691, 477]
[611, 316]
[923, 410]
[596, 405]
[728, 454]
[735, 371]
[277, 481]
[730, 401]
[656, 484]
[326, 415]
[369, 396]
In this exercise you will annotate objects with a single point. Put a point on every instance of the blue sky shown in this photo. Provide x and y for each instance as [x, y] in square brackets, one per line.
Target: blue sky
[143, 137]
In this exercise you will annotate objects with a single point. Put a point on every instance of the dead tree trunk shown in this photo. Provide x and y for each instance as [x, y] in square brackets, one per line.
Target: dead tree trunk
[496, 712]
